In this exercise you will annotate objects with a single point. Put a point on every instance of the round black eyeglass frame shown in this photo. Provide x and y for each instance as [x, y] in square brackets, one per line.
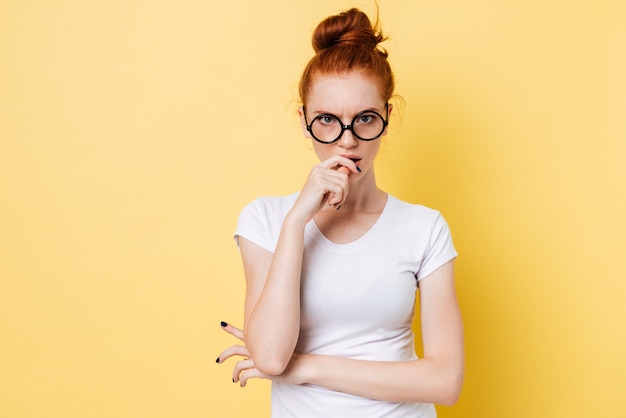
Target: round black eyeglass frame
[346, 127]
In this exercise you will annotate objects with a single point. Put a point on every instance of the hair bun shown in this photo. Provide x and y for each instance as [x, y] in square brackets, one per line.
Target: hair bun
[351, 27]
[348, 42]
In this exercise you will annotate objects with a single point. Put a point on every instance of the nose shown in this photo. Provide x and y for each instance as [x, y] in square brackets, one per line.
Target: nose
[348, 140]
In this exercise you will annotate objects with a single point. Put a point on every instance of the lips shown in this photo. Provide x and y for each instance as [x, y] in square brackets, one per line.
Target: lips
[354, 158]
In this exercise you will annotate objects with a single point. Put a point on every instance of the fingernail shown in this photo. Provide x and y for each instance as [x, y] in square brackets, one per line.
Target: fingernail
[223, 324]
[233, 380]
[358, 169]
[338, 207]
[218, 360]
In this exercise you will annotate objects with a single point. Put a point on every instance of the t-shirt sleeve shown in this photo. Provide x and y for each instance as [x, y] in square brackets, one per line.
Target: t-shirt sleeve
[253, 225]
[440, 250]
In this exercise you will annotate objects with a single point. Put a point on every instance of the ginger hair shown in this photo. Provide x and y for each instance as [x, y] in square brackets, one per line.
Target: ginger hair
[348, 42]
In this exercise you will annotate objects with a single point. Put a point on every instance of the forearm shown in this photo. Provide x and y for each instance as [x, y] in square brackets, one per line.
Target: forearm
[425, 380]
[273, 325]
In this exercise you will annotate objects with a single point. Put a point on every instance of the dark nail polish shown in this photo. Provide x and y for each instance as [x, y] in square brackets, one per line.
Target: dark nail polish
[358, 169]
[223, 324]
[218, 360]
[233, 380]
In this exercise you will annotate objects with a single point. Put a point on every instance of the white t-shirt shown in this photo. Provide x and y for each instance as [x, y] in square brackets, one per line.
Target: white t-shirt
[357, 299]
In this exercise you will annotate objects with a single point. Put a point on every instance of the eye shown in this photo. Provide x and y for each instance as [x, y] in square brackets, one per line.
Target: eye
[326, 119]
[366, 119]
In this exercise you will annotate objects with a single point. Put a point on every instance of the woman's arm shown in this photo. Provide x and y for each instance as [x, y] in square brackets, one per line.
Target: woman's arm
[272, 303]
[435, 378]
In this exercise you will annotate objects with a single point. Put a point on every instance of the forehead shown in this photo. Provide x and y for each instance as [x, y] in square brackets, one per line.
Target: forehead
[344, 93]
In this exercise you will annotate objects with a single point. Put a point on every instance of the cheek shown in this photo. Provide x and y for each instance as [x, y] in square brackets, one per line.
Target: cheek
[321, 150]
[373, 147]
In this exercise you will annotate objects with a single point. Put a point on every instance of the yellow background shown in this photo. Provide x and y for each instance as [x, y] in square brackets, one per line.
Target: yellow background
[133, 132]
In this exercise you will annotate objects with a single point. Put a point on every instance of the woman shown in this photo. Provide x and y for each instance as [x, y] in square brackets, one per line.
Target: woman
[332, 271]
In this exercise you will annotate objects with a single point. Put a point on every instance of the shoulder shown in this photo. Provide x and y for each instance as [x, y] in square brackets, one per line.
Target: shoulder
[417, 220]
[272, 206]
[426, 232]
[260, 221]
[412, 211]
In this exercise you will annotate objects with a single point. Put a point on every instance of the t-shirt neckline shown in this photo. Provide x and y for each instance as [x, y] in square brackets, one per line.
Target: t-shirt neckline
[321, 239]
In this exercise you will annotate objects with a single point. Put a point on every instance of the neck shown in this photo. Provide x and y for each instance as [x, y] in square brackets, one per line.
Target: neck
[364, 194]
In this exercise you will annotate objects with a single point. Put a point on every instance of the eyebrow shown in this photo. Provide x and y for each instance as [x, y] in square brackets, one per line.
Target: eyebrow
[324, 112]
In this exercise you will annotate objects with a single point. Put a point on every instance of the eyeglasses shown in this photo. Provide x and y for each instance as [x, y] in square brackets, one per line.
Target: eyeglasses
[327, 128]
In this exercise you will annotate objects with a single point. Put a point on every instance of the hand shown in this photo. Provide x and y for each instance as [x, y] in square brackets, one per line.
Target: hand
[326, 187]
[245, 369]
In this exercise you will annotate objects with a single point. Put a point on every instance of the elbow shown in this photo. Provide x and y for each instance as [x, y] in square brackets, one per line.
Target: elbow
[450, 398]
[269, 359]
[451, 391]
[271, 366]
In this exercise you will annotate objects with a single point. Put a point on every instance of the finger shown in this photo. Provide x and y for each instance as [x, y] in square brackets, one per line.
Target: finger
[330, 184]
[338, 195]
[240, 367]
[233, 350]
[337, 199]
[343, 164]
[248, 374]
[232, 330]
[344, 169]
[336, 162]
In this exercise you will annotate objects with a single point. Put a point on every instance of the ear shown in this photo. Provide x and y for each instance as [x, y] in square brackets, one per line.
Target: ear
[305, 131]
[389, 109]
